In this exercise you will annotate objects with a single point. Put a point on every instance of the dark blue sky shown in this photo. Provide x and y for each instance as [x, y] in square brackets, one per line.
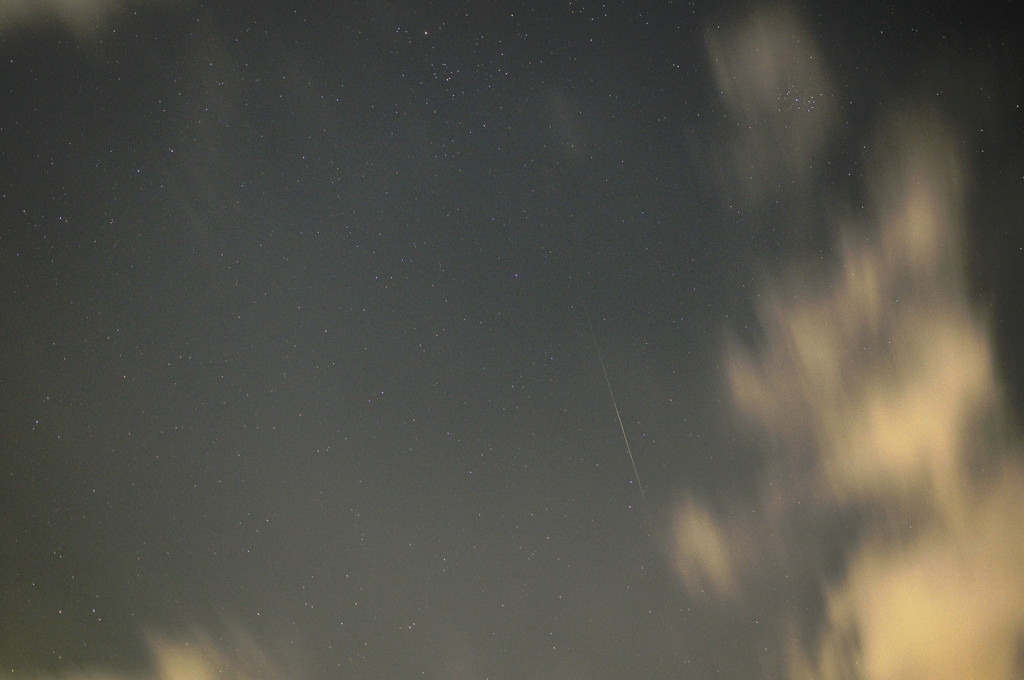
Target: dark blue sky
[295, 336]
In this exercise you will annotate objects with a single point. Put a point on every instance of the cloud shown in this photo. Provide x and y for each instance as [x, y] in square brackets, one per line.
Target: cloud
[81, 17]
[885, 370]
[875, 387]
[948, 604]
[702, 556]
[199, 656]
[771, 79]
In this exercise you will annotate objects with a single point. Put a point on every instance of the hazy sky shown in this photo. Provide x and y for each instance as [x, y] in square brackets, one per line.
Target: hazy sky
[303, 308]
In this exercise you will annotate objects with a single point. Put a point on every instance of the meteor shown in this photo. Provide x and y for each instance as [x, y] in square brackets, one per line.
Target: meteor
[611, 393]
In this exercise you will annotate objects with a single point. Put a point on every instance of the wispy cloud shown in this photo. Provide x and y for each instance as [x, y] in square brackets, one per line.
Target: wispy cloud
[780, 99]
[875, 386]
[81, 17]
[702, 555]
[200, 656]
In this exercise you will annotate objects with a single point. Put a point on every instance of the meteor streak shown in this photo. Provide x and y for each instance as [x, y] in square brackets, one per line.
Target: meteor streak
[611, 393]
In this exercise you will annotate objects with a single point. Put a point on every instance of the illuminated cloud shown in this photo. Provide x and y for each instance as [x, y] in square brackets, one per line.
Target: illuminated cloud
[200, 657]
[81, 17]
[948, 604]
[885, 371]
[702, 556]
[876, 388]
[771, 79]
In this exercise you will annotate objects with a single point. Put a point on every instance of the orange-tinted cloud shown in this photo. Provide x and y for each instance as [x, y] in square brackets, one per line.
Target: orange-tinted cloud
[199, 656]
[875, 385]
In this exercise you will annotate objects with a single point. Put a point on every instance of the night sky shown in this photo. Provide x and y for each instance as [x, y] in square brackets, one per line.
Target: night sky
[303, 308]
